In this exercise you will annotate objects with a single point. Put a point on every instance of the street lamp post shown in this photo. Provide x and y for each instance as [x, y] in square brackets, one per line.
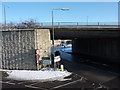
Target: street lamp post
[53, 30]
[87, 19]
[5, 15]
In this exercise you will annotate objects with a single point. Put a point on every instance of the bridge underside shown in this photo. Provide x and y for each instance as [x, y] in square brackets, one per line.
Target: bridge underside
[74, 33]
[105, 50]
[97, 44]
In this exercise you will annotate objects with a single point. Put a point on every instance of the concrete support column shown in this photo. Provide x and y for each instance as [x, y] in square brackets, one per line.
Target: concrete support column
[42, 42]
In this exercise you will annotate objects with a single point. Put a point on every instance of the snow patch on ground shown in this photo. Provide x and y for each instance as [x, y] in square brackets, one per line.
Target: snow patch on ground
[42, 75]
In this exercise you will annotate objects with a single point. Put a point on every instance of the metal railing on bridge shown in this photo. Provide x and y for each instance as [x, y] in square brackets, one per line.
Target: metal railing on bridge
[63, 25]
[81, 24]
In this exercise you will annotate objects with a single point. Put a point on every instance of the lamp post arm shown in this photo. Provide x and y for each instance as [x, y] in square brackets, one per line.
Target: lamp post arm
[64, 9]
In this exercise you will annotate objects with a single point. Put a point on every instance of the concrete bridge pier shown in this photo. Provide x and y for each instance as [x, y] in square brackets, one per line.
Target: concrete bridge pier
[105, 50]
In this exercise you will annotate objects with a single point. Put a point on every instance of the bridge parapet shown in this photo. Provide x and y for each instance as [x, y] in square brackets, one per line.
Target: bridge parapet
[80, 25]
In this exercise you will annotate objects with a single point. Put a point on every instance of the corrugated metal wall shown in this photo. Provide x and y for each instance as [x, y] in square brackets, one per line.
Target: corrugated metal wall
[18, 49]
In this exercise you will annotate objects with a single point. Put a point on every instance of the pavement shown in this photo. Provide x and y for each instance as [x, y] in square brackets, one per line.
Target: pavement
[84, 76]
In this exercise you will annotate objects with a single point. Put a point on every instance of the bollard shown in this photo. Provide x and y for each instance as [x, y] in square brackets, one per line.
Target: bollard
[37, 65]
[62, 68]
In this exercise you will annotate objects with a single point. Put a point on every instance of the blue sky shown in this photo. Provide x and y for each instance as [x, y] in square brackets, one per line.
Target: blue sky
[41, 11]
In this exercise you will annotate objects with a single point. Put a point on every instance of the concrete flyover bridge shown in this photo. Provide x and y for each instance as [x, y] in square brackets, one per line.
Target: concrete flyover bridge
[96, 42]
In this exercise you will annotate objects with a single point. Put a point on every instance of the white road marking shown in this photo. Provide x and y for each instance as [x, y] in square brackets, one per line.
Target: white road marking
[66, 84]
[35, 87]
[33, 84]
[20, 82]
[9, 83]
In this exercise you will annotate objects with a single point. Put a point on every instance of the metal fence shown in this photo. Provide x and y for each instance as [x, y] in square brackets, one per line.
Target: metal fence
[80, 24]
[65, 24]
